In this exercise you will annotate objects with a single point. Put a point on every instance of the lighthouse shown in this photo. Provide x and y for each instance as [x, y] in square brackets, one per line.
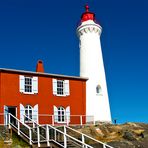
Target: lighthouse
[92, 67]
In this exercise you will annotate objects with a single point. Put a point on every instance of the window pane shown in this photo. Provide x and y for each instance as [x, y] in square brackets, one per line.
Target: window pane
[98, 89]
[28, 112]
[28, 84]
[60, 85]
[63, 118]
[61, 114]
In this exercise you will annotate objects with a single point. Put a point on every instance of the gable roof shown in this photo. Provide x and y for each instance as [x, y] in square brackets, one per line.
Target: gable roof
[41, 74]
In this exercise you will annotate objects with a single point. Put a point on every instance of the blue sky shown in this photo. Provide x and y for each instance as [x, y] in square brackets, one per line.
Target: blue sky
[46, 30]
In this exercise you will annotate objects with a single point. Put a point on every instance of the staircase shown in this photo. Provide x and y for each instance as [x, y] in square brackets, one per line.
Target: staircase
[55, 137]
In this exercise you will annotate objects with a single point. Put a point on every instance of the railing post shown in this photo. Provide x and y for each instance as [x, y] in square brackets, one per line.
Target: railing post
[52, 120]
[38, 134]
[9, 120]
[33, 125]
[83, 140]
[104, 146]
[18, 126]
[6, 119]
[47, 134]
[65, 138]
[81, 121]
[67, 120]
[30, 136]
[55, 135]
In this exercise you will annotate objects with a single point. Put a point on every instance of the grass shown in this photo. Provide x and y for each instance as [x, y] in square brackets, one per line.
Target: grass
[18, 142]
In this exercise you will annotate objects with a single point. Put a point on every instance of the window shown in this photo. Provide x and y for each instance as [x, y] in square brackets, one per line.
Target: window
[28, 85]
[61, 87]
[62, 115]
[98, 90]
[28, 113]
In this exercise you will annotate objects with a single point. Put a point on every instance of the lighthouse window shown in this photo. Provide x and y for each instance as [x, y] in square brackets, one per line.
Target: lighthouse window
[98, 89]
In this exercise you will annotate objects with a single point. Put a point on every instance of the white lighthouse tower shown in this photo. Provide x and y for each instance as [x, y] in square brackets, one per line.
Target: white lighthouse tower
[91, 66]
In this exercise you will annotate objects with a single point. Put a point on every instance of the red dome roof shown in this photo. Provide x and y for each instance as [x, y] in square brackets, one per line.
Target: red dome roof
[87, 15]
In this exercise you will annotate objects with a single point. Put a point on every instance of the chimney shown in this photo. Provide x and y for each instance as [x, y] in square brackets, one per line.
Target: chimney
[39, 66]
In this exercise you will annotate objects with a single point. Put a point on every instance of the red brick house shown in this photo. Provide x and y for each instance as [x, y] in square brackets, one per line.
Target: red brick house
[43, 97]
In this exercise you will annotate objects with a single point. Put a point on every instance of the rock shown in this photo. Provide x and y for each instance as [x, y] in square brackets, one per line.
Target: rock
[8, 142]
[121, 144]
[98, 130]
[138, 132]
[129, 136]
[132, 124]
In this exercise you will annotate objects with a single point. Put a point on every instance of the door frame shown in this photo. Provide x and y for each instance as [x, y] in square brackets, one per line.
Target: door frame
[6, 111]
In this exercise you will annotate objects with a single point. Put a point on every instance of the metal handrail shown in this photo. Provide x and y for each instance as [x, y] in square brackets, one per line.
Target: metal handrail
[38, 125]
[18, 128]
[32, 120]
[74, 139]
[20, 131]
[19, 120]
[84, 144]
[89, 137]
[57, 143]
[65, 135]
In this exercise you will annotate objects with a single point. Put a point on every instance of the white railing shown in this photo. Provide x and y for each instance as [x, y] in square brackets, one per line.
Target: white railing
[67, 120]
[86, 138]
[30, 122]
[54, 136]
[67, 138]
[17, 124]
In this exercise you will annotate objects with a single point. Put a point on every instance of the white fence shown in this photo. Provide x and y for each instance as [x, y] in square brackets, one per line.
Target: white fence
[53, 120]
[66, 120]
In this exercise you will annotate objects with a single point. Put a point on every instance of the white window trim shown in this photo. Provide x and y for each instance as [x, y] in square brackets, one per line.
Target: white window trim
[30, 85]
[100, 93]
[66, 113]
[22, 85]
[66, 89]
[28, 93]
[28, 114]
[61, 116]
[61, 95]
[63, 88]
[33, 111]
